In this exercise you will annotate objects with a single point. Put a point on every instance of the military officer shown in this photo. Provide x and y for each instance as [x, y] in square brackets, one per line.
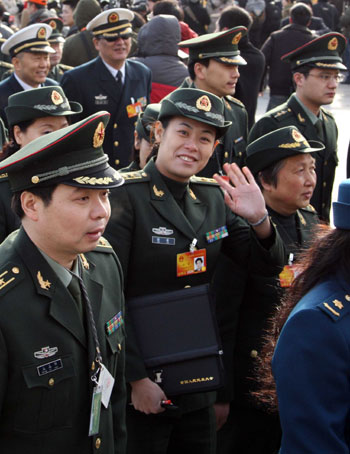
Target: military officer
[30, 114]
[315, 67]
[112, 82]
[62, 334]
[29, 50]
[163, 217]
[284, 167]
[214, 60]
[56, 40]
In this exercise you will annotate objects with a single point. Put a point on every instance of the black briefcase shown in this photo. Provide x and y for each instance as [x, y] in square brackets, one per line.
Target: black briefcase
[178, 337]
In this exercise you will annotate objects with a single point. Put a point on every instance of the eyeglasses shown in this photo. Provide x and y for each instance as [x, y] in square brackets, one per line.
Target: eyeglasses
[111, 39]
[328, 77]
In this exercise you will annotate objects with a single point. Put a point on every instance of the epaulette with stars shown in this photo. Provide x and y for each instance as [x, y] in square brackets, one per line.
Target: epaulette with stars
[135, 177]
[234, 101]
[309, 209]
[203, 180]
[336, 306]
[102, 246]
[3, 176]
[281, 114]
[10, 276]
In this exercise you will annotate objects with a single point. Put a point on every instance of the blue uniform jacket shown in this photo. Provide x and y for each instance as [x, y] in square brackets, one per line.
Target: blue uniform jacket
[311, 366]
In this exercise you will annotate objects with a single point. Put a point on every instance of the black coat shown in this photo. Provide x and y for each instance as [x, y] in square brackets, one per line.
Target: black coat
[94, 87]
[8, 220]
[10, 86]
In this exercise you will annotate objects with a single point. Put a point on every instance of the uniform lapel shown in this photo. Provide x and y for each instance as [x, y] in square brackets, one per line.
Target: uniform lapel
[62, 306]
[195, 210]
[108, 82]
[330, 134]
[165, 204]
[129, 87]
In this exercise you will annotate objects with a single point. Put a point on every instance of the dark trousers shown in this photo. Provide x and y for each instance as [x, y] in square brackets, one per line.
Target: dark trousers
[171, 432]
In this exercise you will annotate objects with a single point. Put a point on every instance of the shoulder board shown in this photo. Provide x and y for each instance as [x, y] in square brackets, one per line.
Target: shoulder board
[135, 177]
[327, 113]
[102, 246]
[234, 100]
[3, 176]
[4, 64]
[65, 67]
[203, 180]
[281, 114]
[309, 208]
[10, 275]
[336, 306]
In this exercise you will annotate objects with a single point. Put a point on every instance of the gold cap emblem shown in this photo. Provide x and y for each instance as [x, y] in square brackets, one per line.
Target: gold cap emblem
[112, 18]
[297, 136]
[56, 98]
[42, 33]
[203, 103]
[53, 24]
[236, 39]
[333, 44]
[35, 179]
[99, 135]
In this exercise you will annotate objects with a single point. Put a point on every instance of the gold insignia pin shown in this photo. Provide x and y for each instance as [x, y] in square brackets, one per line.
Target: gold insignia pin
[297, 136]
[56, 98]
[157, 192]
[53, 24]
[302, 219]
[192, 194]
[203, 103]
[43, 284]
[41, 33]
[338, 304]
[99, 135]
[301, 119]
[327, 306]
[112, 18]
[84, 261]
[35, 179]
[3, 283]
[237, 38]
[347, 297]
[333, 44]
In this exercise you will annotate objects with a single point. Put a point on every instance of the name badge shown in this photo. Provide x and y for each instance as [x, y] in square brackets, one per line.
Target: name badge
[49, 367]
[191, 262]
[133, 109]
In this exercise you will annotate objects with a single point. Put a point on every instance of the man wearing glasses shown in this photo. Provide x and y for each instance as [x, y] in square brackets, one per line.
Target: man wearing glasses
[112, 82]
[316, 70]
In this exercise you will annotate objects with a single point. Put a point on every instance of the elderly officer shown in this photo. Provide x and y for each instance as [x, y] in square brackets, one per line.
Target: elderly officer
[164, 218]
[315, 68]
[29, 50]
[112, 82]
[61, 328]
[283, 165]
[56, 40]
[30, 114]
[213, 66]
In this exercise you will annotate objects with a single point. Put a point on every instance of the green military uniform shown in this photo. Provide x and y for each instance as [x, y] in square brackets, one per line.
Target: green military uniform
[249, 427]
[56, 73]
[223, 47]
[153, 219]
[6, 69]
[323, 53]
[8, 220]
[50, 350]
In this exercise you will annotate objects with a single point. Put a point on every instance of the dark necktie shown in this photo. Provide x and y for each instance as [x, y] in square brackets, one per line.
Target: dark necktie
[74, 289]
[118, 79]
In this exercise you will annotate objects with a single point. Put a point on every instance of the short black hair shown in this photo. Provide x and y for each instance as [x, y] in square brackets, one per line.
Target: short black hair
[43, 192]
[270, 174]
[234, 16]
[170, 7]
[205, 62]
[300, 14]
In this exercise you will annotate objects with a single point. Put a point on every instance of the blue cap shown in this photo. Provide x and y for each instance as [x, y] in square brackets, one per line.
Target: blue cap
[341, 208]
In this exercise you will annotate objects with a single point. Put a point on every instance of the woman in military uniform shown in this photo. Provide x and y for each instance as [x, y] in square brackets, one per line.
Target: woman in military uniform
[30, 114]
[161, 216]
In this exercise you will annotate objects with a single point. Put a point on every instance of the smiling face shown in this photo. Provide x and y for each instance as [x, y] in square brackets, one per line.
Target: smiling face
[185, 147]
[218, 78]
[296, 181]
[115, 52]
[32, 67]
[71, 223]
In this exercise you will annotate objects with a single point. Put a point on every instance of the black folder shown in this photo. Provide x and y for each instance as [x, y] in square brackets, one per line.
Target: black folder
[178, 338]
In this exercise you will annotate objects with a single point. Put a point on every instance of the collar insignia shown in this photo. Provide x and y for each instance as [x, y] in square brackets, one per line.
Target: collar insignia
[43, 284]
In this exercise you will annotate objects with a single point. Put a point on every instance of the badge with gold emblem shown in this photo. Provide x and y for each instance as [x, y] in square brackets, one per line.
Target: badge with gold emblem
[56, 98]
[112, 18]
[99, 136]
[237, 38]
[333, 44]
[203, 103]
[297, 136]
[53, 24]
[41, 33]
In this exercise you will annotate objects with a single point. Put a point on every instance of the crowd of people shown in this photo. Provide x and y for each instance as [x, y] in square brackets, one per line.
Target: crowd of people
[138, 190]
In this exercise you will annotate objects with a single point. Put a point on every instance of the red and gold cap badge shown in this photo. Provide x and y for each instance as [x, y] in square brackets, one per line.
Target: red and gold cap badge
[41, 33]
[113, 18]
[99, 135]
[333, 44]
[203, 103]
[236, 39]
[56, 98]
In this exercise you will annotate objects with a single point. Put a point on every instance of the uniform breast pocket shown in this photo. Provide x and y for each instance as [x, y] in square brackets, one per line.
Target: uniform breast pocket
[45, 396]
[115, 343]
[239, 148]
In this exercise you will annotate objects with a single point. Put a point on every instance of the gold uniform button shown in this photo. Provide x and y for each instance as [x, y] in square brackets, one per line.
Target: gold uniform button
[115, 125]
[116, 143]
[51, 381]
[323, 205]
[325, 163]
[98, 443]
[187, 286]
[253, 353]
[15, 270]
[35, 179]
[226, 154]
[240, 154]
[324, 184]
[117, 161]
[93, 366]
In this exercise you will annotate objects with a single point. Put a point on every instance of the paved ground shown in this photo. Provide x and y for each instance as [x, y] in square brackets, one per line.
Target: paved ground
[341, 111]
